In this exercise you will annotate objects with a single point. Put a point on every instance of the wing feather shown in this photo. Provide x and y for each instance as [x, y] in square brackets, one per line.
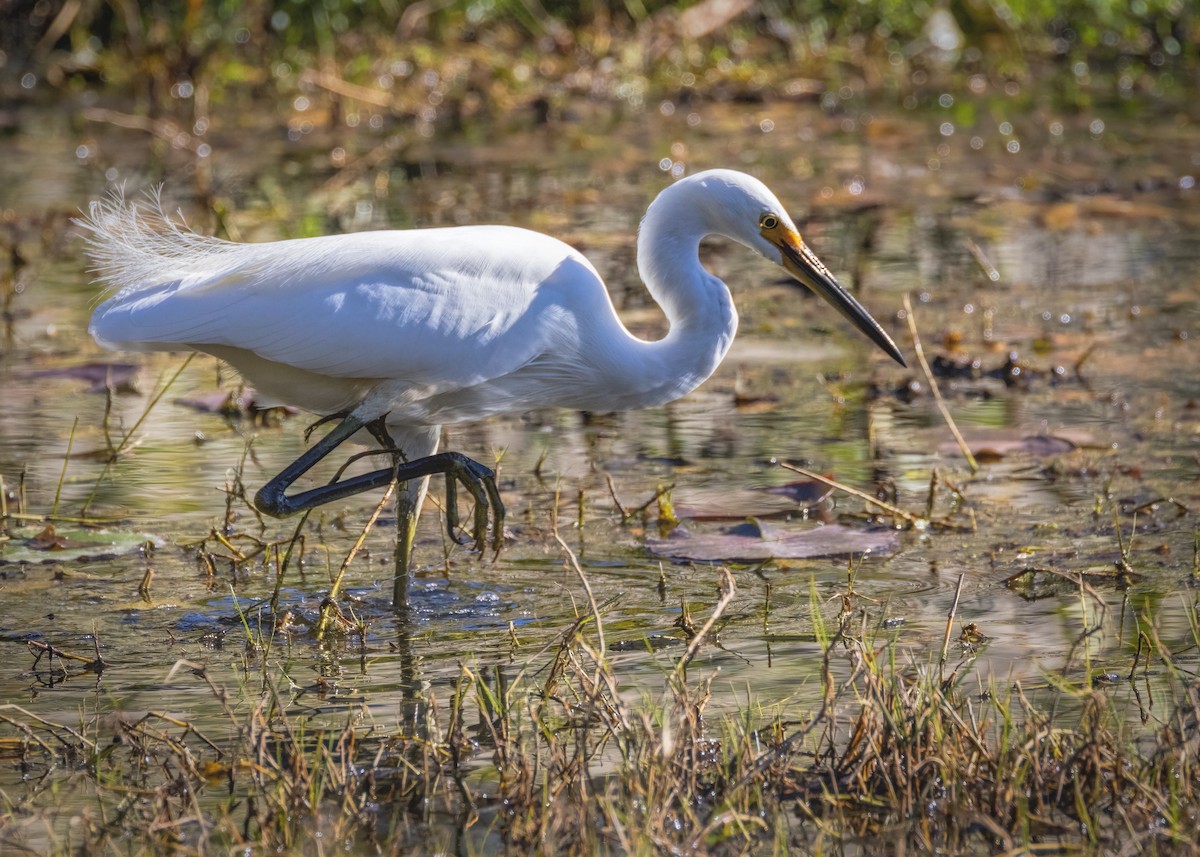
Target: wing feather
[440, 308]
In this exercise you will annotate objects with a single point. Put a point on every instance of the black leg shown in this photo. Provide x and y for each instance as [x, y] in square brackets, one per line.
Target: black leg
[479, 481]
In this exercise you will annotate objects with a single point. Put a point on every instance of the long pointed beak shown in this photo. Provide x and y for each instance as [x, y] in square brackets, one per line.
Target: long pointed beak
[803, 264]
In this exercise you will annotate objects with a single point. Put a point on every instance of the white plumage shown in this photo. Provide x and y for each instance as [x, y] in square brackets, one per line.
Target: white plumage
[434, 326]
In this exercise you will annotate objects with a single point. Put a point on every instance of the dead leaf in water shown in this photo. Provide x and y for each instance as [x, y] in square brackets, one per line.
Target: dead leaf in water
[54, 544]
[1113, 206]
[1064, 215]
[242, 403]
[755, 404]
[214, 771]
[716, 504]
[754, 542]
[47, 540]
[99, 376]
[1060, 215]
[996, 446]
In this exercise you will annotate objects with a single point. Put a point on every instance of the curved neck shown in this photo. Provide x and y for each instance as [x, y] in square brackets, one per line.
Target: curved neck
[698, 307]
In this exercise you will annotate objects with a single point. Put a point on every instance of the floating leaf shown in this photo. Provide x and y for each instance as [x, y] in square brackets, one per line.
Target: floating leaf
[214, 771]
[228, 404]
[755, 404]
[724, 504]
[48, 540]
[55, 544]
[753, 541]
[1060, 215]
[648, 643]
[99, 376]
[991, 447]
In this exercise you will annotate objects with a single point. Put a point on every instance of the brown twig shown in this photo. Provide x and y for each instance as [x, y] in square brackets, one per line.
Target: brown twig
[330, 601]
[164, 129]
[728, 590]
[78, 736]
[981, 259]
[612, 490]
[662, 489]
[587, 588]
[933, 386]
[950, 625]
[862, 495]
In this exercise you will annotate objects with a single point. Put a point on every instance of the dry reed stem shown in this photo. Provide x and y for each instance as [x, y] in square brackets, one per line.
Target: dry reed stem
[40, 648]
[950, 625]
[335, 589]
[728, 588]
[24, 712]
[862, 495]
[981, 259]
[587, 588]
[933, 386]
[612, 490]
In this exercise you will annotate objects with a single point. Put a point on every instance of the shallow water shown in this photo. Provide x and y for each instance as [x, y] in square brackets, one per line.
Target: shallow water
[1092, 240]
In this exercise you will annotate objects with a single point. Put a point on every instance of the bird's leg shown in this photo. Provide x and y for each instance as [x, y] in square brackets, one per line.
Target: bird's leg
[408, 509]
[409, 497]
[481, 485]
[479, 481]
[272, 499]
[377, 428]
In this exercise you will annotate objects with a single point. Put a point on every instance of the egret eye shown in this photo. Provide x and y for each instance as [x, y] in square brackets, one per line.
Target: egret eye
[768, 221]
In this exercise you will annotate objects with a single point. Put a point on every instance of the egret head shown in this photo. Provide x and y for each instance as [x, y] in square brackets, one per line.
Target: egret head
[744, 209]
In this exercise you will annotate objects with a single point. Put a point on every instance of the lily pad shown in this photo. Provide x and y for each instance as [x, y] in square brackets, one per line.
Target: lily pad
[51, 544]
[995, 446]
[753, 541]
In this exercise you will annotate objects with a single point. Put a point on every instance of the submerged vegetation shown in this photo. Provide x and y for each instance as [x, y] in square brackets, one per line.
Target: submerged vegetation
[548, 754]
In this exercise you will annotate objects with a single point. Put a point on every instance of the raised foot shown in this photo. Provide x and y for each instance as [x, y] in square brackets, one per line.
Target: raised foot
[478, 480]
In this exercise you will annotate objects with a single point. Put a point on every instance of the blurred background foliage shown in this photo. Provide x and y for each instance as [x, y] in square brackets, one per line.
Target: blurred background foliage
[482, 57]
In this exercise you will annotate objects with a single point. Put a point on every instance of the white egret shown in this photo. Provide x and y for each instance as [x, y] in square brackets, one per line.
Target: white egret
[403, 332]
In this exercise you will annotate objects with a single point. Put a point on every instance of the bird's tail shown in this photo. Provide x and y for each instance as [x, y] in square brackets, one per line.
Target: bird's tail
[134, 243]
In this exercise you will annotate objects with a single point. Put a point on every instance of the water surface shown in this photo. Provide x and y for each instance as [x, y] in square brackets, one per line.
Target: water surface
[1090, 236]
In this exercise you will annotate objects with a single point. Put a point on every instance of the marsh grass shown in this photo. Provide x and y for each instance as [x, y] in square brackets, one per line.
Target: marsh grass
[554, 754]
